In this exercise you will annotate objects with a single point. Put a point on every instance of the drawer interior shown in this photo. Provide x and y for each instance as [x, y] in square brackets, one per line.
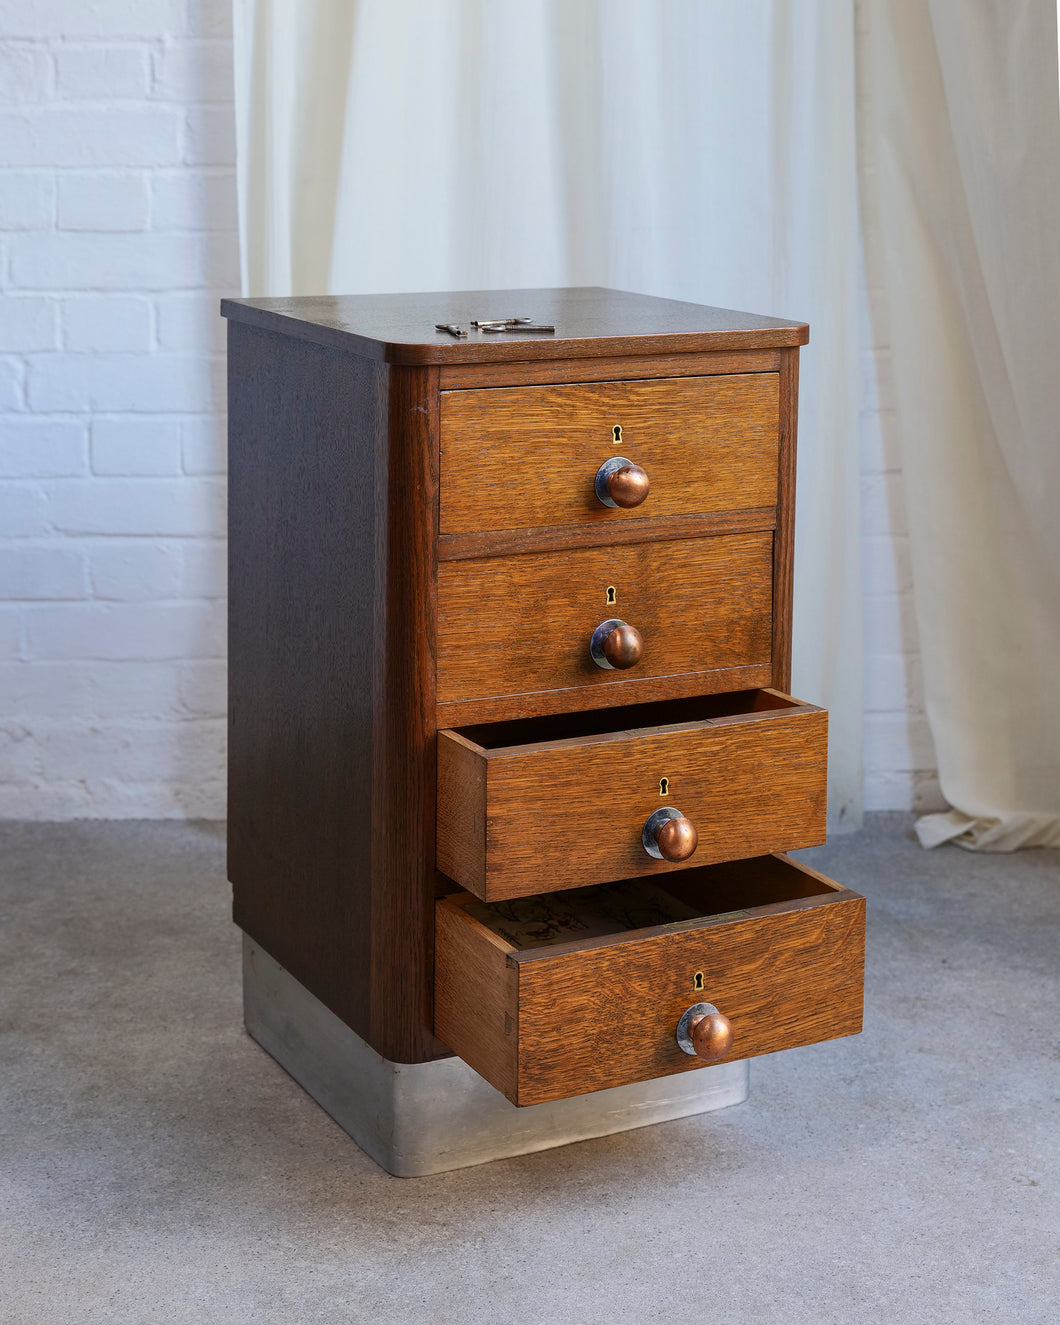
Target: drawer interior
[565, 727]
[580, 916]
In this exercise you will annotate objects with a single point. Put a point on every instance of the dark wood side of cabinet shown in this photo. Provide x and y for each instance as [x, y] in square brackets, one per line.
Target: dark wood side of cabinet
[332, 515]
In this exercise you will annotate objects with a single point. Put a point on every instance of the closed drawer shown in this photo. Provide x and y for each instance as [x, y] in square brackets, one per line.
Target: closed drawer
[552, 997]
[550, 803]
[521, 624]
[525, 457]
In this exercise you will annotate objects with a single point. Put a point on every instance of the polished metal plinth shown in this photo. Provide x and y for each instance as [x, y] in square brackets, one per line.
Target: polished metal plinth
[422, 1118]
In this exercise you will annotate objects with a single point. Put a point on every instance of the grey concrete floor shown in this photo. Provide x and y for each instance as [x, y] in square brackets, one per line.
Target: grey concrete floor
[157, 1166]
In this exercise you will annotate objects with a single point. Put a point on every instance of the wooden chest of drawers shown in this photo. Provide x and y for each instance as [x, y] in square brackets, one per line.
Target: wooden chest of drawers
[511, 744]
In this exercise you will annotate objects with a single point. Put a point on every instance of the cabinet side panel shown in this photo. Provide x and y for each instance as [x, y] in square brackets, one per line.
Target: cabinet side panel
[307, 439]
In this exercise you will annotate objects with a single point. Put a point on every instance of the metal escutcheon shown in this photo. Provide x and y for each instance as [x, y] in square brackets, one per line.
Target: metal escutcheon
[651, 828]
[610, 466]
[684, 1032]
[599, 639]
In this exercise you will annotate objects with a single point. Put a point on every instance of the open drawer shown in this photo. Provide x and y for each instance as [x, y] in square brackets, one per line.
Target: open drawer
[548, 803]
[560, 995]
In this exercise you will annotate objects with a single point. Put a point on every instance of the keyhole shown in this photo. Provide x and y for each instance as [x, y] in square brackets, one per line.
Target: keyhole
[664, 786]
[611, 595]
[698, 981]
[616, 433]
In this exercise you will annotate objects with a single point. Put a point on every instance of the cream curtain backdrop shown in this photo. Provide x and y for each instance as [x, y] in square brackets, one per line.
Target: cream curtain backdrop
[699, 151]
[965, 192]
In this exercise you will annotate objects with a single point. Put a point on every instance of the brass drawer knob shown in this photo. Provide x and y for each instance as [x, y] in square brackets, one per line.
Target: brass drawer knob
[616, 645]
[668, 835]
[619, 482]
[704, 1032]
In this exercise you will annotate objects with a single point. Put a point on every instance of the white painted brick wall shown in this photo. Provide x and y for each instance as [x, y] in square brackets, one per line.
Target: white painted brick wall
[117, 236]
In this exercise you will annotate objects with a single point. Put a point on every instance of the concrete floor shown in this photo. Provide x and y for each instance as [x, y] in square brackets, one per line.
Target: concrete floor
[156, 1166]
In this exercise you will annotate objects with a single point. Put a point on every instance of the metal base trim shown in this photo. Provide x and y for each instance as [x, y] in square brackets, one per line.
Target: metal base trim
[419, 1118]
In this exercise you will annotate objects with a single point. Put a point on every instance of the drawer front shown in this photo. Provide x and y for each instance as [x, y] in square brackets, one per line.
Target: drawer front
[518, 819]
[526, 457]
[779, 951]
[510, 626]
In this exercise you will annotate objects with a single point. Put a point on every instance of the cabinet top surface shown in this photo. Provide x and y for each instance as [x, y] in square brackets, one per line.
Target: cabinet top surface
[590, 322]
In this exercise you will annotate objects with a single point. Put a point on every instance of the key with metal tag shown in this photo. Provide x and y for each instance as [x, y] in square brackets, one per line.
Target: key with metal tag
[518, 328]
[499, 323]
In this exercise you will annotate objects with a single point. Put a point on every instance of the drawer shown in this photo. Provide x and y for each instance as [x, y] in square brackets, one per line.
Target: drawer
[548, 803]
[557, 996]
[521, 624]
[525, 457]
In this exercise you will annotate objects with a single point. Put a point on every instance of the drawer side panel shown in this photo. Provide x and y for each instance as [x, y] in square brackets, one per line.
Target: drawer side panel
[462, 812]
[475, 997]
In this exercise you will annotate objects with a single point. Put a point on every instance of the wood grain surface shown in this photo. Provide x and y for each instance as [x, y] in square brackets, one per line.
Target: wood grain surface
[523, 457]
[307, 432]
[476, 996]
[558, 538]
[515, 820]
[604, 1012]
[784, 536]
[502, 708]
[548, 371]
[404, 774]
[590, 322]
[332, 526]
[606, 1017]
[461, 820]
[507, 626]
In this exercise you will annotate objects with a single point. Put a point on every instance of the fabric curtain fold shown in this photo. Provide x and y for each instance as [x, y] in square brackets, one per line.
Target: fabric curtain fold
[965, 194]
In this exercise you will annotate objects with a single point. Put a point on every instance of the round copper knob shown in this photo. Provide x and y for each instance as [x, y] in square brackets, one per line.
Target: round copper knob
[668, 835]
[619, 482]
[615, 644]
[711, 1035]
[627, 487]
[623, 646]
[677, 839]
[705, 1032]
